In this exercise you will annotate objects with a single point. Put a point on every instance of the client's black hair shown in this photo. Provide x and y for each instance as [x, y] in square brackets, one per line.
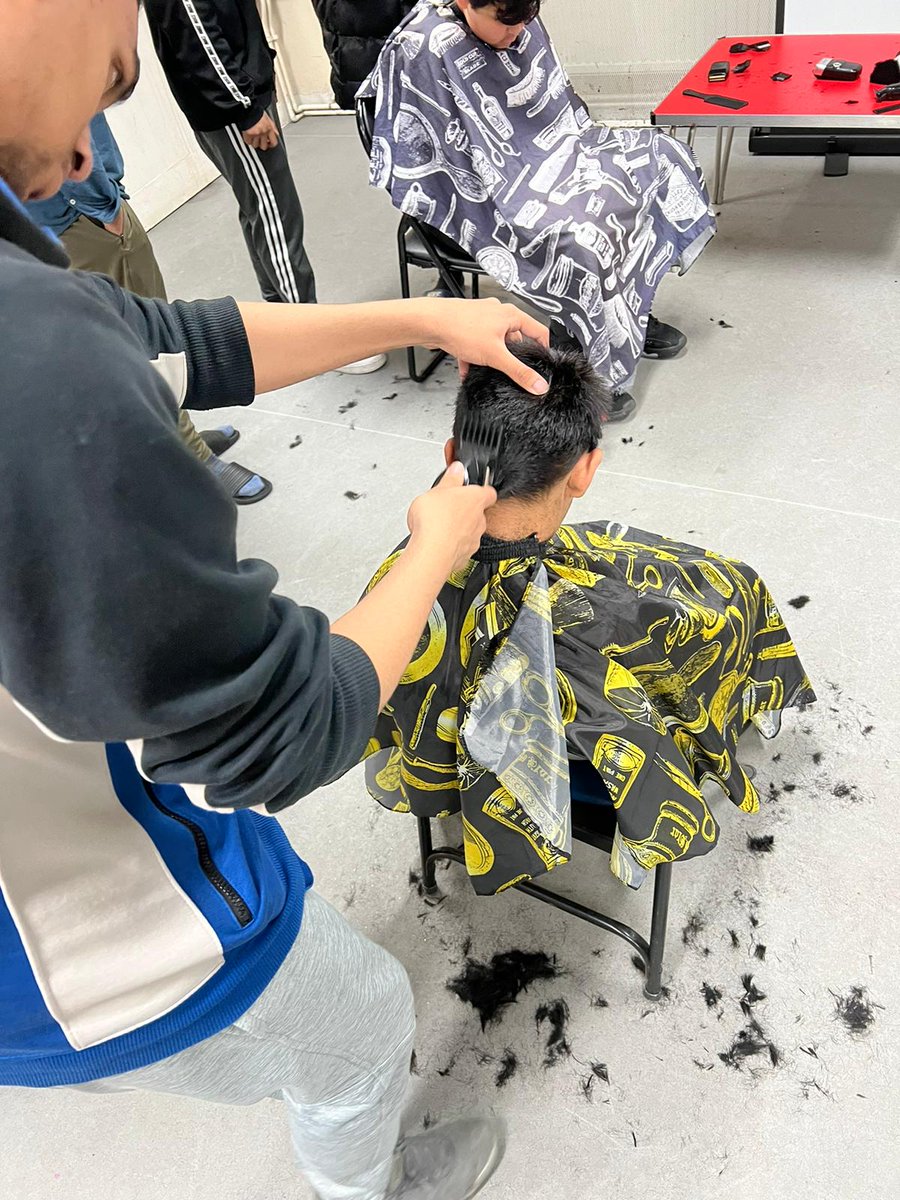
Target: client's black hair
[511, 12]
[543, 436]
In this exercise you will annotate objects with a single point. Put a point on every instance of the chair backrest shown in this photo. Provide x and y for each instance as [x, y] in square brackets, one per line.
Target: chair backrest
[365, 121]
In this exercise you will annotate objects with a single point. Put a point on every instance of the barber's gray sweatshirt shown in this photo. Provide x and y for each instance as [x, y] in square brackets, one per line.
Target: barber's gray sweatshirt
[152, 686]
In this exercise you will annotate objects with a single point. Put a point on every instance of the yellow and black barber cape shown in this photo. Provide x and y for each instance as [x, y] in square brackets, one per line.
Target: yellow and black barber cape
[645, 657]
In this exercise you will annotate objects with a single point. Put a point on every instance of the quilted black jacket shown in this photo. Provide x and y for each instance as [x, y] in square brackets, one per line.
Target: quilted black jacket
[354, 32]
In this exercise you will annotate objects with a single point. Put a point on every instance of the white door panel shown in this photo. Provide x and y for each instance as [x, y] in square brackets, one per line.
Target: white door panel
[164, 166]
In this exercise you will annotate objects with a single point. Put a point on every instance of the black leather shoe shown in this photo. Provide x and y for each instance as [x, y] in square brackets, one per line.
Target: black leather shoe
[663, 341]
[622, 405]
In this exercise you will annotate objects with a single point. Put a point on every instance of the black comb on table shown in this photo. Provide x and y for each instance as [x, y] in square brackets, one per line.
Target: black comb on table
[722, 101]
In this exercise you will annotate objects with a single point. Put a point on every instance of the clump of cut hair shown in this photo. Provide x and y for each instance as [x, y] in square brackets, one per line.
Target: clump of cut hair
[543, 436]
[512, 12]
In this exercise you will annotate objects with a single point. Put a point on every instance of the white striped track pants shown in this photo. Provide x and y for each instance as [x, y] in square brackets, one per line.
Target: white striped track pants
[270, 213]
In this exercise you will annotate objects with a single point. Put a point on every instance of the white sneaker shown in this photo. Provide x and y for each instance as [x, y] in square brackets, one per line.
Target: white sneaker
[451, 1162]
[364, 366]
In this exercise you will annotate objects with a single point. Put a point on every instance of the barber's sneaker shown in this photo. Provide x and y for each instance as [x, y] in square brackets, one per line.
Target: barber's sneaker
[450, 1162]
[364, 366]
[663, 341]
[621, 406]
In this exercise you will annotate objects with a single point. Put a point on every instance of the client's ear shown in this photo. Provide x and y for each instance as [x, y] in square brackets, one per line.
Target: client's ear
[582, 474]
[449, 451]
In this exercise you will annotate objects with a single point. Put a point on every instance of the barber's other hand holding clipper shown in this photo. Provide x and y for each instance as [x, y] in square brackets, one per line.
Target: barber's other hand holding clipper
[447, 523]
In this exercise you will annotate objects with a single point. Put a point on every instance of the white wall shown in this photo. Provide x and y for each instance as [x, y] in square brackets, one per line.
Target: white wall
[622, 56]
[841, 16]
[299, 43]
[164, 166]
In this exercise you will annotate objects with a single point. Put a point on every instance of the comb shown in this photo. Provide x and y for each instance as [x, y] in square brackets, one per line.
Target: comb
[478, 448]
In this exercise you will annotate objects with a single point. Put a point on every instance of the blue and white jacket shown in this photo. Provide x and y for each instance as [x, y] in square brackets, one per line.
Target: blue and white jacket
[153, 689]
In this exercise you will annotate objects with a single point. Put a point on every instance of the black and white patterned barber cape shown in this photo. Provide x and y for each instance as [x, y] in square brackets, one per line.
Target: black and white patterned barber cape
[496, 150]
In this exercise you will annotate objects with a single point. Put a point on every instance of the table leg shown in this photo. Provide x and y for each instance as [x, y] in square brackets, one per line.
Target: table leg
[691, 134]
[723, 159]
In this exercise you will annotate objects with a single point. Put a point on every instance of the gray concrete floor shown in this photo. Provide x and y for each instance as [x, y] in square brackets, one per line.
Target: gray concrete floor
[773, 439]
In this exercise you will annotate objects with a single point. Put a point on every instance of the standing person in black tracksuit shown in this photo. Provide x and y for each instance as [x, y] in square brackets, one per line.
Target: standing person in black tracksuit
[221, 71]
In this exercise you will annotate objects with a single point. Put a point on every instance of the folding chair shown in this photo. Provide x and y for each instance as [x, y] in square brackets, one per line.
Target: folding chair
[594, 825]
[419, 245]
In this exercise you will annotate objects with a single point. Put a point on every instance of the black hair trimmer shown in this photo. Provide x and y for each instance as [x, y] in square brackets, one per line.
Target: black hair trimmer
[478, 447]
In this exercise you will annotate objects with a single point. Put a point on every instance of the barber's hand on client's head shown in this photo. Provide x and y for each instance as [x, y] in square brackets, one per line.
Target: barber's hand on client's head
[476, 332]
[448, 522]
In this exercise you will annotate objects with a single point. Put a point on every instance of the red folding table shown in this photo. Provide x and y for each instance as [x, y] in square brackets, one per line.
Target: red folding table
[801, 100]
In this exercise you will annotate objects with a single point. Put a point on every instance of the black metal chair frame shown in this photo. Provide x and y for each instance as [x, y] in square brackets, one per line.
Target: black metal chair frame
[650, 952]
[411, 235]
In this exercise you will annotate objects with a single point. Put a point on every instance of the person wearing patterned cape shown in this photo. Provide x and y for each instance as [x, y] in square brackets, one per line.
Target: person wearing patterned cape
[493, 148]
[601, 643]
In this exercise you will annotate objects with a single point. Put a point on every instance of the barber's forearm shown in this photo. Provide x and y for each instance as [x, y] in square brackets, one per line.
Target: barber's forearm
[388, 622]
[292, 342]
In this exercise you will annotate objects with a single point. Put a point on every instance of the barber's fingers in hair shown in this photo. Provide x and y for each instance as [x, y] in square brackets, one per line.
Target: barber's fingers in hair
[528, 327]
[521, 374]
[516, 370]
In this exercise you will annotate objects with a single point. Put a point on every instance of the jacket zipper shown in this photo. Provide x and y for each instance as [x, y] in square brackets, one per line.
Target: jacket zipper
[229, 894]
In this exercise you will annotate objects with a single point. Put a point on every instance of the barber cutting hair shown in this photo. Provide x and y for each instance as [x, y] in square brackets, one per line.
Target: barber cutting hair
[158, 702]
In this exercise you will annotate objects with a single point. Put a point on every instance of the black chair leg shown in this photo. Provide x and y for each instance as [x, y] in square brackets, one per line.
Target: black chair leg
[476, 287]
[438, 357]
[426, 850]
[661, 891]
[404, 265]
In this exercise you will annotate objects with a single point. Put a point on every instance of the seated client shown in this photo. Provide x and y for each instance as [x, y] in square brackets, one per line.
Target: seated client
[594, 650]
[479, 135]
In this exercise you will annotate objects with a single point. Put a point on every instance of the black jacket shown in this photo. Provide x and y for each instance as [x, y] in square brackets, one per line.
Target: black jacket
[216, 58]
[354, 32]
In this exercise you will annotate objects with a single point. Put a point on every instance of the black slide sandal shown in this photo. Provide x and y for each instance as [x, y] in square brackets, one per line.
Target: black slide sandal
[236, 479]
[221, 439]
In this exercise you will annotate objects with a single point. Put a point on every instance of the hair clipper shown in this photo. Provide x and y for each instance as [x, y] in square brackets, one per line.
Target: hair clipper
[478, 447]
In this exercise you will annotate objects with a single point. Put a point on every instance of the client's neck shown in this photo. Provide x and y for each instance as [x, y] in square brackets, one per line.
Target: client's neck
[513, 520]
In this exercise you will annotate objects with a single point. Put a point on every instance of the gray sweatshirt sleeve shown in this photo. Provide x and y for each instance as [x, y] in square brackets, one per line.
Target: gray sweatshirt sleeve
[125, 614]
